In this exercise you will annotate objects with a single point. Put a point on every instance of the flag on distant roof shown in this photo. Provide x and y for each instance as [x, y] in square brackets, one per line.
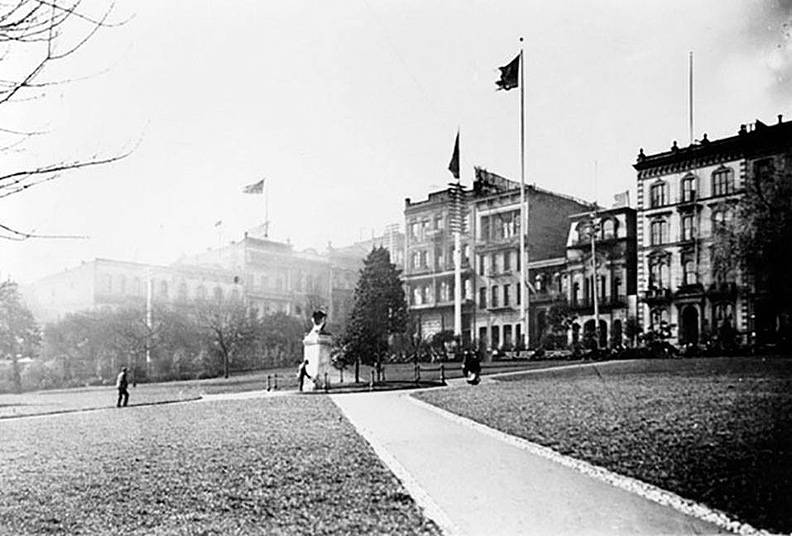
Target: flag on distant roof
[255, 188]
[508, 78]
[453, 166]
[621, 199]
[218, 223]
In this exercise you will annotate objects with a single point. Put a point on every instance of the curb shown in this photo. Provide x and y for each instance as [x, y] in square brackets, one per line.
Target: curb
[626, 483]
[424, 501]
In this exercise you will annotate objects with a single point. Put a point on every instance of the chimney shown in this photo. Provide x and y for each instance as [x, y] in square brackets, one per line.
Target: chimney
[780, 119]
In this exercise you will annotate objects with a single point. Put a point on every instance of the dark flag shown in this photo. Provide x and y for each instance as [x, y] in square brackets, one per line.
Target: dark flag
[508, 79]
[453, 166]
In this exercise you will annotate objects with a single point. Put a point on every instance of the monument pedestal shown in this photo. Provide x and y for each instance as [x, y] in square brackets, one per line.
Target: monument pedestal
[316, 350]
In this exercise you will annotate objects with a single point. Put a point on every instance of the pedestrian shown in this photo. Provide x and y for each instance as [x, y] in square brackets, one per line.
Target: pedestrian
[121, 384]
[471, 367]
[302, 373]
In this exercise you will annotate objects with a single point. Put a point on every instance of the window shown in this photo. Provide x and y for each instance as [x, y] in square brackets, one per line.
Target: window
[658, 273]
[688, 271]
[108, 283]
[485, 228]
[415, 261]
[482, 263]
[424, 262]
[494, 296]
[417, 296]
[495, 336]
[687, 227]
[688, 188]
[443, 291]
[438, 222]
[507, 261]
[482, 298]
[657, 195]
[659, 232]
[414, 230]
[507, 335]
[506, 294]
[438, 258]
[723, 181]
[608, 229]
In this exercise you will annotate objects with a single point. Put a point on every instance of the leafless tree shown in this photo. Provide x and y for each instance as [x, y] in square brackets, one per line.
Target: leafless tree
[34, 36]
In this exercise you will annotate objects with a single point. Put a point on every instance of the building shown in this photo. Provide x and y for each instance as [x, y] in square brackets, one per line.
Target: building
[490, 257]
[106, 283]
[685, 196]
[496, 249]
[270, 277]
[613, 233]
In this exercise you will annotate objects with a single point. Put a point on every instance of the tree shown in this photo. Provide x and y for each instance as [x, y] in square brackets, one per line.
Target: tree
[764, 230]
[231, 329]
[19, 334]
[35, 35]
[379, 311]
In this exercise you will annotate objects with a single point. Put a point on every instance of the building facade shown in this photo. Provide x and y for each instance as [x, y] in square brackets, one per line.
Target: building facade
[685, 197]
[611, 279]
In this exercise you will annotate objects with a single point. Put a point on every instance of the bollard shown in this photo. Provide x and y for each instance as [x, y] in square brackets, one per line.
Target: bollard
[383, 375]
[275, 386]
[442, 374]
[417, 373]
[341, 375]
[326, 383]
[371, 381]
[269, 382]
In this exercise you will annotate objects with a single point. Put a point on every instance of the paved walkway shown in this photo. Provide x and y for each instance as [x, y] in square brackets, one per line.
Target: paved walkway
[473, 483]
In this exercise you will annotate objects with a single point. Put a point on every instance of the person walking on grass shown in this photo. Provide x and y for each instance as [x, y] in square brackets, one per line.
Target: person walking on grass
[121, 384]
[302, 373]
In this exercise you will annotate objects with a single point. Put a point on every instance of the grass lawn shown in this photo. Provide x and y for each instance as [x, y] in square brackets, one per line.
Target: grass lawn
[82, 398]
[718, 431]
[282, 465]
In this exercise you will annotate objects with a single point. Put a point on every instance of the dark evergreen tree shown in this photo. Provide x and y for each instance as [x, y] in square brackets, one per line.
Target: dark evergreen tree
[19, 334]
[379, 311]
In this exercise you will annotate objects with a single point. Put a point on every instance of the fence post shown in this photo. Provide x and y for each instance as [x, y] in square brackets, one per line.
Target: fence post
[442, 374]
[326, 383]
[383, 374]
[417, 373]
[371, 381]
[269, 382]
[275, 388]
[341, 374]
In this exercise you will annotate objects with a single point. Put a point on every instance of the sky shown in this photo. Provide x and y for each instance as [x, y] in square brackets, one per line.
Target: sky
[348, 107]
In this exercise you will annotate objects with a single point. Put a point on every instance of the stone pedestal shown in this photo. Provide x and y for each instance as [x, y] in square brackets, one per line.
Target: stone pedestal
[316, 350]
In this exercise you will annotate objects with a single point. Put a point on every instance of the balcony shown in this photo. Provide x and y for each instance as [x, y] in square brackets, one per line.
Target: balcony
[604, 303]
[691, 289]
[656, 296]
[546, 297]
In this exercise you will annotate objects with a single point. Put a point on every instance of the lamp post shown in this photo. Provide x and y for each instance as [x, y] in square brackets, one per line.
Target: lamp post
[593, 229]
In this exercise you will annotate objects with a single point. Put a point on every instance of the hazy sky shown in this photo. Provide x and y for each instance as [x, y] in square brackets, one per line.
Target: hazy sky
[349, 106]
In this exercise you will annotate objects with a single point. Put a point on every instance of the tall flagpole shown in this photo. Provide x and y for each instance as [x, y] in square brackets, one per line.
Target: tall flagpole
[523, 211]
[690, 96]
[266, 208]
[458, 257]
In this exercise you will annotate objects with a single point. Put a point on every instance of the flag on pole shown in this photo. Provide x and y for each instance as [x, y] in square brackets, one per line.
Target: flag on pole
[218, 223]
[508, 77]
[621, 199]
[453, 166]
[255, 188]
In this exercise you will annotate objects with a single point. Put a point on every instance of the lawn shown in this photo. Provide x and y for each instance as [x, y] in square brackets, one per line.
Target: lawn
[281, 465]
[718, 431]
[83, 398]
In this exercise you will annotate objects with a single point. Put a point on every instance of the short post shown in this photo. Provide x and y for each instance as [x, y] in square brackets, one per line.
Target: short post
[341, 375]
[417, 373]
[371, 381]
[275, 386]
[269, 382]
[326, 383]
[382, 379]
[442, 374]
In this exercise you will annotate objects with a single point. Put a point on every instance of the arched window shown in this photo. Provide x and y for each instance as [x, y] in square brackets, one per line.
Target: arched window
[723, 181]
[608, 228]
[658, 272]
[689, 276]
[657, 195]
[688, 188]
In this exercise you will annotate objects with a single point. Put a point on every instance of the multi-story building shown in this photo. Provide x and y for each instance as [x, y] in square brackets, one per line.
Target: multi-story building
[611, 279]
[496, 221]
[685, 195]
[490, 257]
[106, 283]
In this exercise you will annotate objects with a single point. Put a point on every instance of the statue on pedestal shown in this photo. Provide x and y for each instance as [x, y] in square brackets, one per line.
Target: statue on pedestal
[316, 350]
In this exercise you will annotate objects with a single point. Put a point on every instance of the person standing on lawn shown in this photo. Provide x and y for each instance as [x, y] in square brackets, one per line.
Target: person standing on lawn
[121, 384]
[302, 373]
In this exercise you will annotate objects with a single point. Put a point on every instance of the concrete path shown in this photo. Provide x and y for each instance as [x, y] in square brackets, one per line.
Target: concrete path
[473, 483]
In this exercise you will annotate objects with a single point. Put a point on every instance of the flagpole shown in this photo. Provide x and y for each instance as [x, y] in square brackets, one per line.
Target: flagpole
[458, 258]
[266, 208]
[523, 211]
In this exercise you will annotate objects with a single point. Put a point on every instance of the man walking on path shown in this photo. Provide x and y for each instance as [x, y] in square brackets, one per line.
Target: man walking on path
[121, 385]
[302, 373]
